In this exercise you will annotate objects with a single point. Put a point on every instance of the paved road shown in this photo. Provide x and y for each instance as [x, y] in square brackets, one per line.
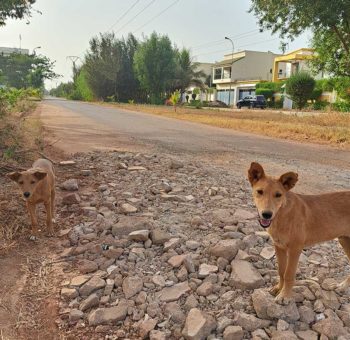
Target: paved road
[95, 126]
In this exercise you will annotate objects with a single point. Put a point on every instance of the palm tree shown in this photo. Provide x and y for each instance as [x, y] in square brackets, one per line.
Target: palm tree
[186, 72]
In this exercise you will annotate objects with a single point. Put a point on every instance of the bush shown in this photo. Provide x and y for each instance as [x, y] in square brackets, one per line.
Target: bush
[300, 87]
[266, 92]
[319, 105]
[274, 86]
[341, 106]
[197, 104]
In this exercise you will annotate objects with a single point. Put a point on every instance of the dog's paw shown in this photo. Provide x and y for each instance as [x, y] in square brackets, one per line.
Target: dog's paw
[275, 290]
[33, 238]
[281, 299]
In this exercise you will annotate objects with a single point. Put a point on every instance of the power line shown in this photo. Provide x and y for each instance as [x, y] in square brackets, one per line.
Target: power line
[125, 13]
[225, 50]
[136, 15]
[232, 36]
[223, 41]
[157, 15]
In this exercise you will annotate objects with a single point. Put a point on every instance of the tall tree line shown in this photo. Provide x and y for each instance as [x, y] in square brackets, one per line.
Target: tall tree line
[129, 69]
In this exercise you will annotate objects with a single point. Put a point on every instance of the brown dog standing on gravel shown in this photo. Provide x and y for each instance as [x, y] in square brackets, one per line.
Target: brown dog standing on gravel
[297, 221]
[38, 186]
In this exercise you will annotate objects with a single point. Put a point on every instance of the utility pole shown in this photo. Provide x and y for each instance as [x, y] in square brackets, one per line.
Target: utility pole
[73, 59]
[233, 49]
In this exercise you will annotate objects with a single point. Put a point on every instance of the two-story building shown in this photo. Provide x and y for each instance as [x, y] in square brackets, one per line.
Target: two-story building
[237, 74]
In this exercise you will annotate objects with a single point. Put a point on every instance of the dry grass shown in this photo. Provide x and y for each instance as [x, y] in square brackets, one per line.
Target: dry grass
[326, 128]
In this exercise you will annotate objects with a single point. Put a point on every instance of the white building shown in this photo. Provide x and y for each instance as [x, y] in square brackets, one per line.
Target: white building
[236, 76]
[6, 51]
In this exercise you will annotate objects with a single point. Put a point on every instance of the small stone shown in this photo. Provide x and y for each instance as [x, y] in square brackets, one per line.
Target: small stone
[139, 235]
[75, 315]
[86, 266]
[196, 221]
[136, 168]
[242, 215]
[78, 281]
[106, 316]
[198, 325]
[86, 172]
[226, 249]
[175, 164]
[157, 335]
[67, 163]
[71, 198]
[250, 322]
[70, 185]
[192, 245]
[205, 289]
[171, 244]
[307, 315]
[131, 286]
[307, 335]
[268, 253]
[146, 327]
[331, 327]
[90, 302]
[158, 280]
[244, 275]
[127, 208]
[69, 293]
[206, 269]
[233, 333]
[283, 335]
[93, 284]
[159, 236]
[169, 294]
[176, 261]
[282, 325]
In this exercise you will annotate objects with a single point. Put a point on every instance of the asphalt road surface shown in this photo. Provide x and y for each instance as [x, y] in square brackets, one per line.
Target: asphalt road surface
[84, 127]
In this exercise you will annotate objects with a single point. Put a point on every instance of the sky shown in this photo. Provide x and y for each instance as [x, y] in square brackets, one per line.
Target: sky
[65, 27]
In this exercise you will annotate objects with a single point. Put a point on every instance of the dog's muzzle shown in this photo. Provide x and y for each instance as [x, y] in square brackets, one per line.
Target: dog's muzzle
[26, 194]
[265, 223]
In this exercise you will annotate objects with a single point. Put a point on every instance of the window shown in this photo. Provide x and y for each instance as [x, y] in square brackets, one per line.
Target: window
[227, 73]
[218, 73]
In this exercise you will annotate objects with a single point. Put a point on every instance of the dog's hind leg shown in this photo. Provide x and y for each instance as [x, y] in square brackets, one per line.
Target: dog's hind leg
[345, 243]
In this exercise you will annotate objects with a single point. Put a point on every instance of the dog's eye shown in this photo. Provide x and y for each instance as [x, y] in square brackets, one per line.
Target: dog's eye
[32, 182]
[278, 194]
[20, 182]
[260, 192]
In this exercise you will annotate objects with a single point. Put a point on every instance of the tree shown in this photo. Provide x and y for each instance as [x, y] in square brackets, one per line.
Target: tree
[329, 21]
[300, 87]
[109, 67]
[15, 9]
[186, 71]
[154, 65]
[23, 70]
[175, 98]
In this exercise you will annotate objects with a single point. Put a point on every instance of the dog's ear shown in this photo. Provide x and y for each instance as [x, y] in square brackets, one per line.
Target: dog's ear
[14, 176]
[40, 174]
[289, 180]
[255, 173]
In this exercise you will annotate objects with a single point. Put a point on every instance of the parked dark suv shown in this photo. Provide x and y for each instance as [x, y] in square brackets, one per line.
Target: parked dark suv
[252, 102]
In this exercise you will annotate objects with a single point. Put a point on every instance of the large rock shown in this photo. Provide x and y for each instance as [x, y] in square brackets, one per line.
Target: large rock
[159, 236]
[92, 285]
[70, 185]
[128, 224]
[71, 198]
[223, 217]
[266, 307]
[131, 286]
[169, 294]
[242, 215]
[198, 325]
[250, 322]
[332, 326]
[91, 301]
[86, 266]
[106, 316]
[233, 333]
[139, 235]
[244, 275]
[226, 249]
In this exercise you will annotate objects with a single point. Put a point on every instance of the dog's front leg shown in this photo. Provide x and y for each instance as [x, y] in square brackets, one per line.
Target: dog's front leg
[32, 213]
[281, 255]
[285, 295]
[49, 217]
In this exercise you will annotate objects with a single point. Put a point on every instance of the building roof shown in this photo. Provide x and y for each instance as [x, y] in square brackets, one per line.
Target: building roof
[11, 50]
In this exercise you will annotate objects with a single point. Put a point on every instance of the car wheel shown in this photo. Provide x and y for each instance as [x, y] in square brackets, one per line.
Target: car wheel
[238, 106]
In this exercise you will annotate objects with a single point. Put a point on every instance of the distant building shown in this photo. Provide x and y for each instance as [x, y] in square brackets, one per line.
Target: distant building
[6, 51]
[237, 74]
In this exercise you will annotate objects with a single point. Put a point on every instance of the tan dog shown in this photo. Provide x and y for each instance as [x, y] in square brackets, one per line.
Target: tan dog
[297, 221]
[38, 186]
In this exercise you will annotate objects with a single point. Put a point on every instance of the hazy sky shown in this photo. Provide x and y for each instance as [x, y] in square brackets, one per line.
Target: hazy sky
[65, 27]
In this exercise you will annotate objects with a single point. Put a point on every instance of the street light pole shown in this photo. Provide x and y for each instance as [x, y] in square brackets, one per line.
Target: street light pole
[36, 48]
[233, 49]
